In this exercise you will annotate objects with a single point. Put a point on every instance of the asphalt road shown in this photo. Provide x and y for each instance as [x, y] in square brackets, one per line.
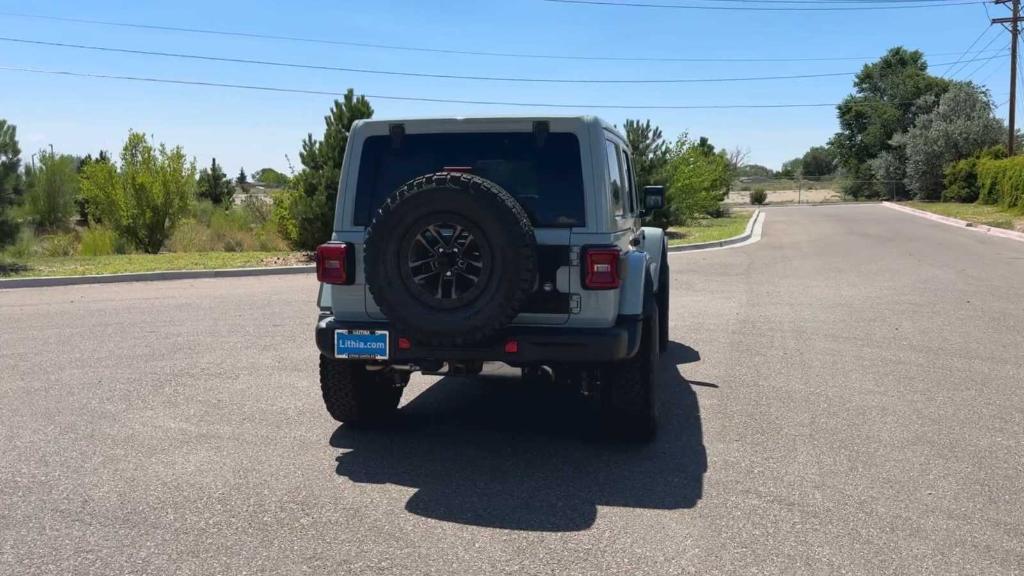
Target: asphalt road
[844, 396]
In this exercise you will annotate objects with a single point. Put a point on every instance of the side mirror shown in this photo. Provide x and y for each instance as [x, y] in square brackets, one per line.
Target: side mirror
[654, 198]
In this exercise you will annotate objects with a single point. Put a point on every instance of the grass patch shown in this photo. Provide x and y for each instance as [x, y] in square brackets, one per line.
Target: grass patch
[989, 215]
[709, 229]
[124, 263]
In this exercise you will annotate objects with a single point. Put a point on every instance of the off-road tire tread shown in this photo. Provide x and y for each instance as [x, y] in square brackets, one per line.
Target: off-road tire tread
[628, 402]
[524, 245]
[356, 396]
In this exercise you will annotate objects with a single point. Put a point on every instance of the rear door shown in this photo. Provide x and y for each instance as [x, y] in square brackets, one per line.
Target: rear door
[541, 168]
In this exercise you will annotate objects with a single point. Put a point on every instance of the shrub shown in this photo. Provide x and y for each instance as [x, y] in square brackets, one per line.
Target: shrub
[25, 244]
[202, 211]
[258, 209]
[98, 241]
[1001, 182]
[190, 236]
[697, 180]
[59, 245]
[268, 240]
[961, 178]
[961, 181]
[282, 214]
[758, 196]
[224, 230]
[719, 211]
[52, 190]
[144, 198]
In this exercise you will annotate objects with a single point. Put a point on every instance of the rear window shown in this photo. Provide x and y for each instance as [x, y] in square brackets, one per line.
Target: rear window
[546, 177]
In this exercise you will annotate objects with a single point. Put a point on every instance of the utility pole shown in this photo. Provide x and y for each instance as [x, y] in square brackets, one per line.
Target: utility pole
[1014, 27]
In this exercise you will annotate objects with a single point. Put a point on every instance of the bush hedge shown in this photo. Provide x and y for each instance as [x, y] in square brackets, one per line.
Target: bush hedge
[960, 181]
[1002, 182]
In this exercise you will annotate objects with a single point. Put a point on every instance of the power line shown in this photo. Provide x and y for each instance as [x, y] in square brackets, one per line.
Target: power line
[986, 65]
[330, 42]
[987, 76]
[757, 8]
[1020, 73]
[983, 65]
[232, 60]
[980, 36]
[279, 89]
[963, 66]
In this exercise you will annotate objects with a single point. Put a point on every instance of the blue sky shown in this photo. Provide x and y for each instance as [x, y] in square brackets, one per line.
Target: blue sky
[255, 129]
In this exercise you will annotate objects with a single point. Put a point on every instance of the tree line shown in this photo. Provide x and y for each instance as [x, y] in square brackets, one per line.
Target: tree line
[902, 132]
[141, 198]
[905, 133]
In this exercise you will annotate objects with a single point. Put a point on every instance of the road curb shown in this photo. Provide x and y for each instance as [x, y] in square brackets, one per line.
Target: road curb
[1001, 232]
[818, 204]
[721, 243]
[153, 276]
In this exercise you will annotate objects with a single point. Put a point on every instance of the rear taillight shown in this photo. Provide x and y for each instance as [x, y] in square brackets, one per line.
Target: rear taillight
[334, 263]
[601, 268]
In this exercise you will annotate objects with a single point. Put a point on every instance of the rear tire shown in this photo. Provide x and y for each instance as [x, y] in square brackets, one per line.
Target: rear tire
[628, 398]
[355, 395]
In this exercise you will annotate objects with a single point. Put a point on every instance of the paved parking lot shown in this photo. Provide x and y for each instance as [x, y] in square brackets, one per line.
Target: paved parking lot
[846, 395]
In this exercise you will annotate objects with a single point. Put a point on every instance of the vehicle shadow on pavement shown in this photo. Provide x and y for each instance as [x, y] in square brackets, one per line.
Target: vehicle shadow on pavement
[502, 452]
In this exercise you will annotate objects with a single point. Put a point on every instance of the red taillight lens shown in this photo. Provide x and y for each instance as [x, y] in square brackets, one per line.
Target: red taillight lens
[512, 347]
[333, 263]
[601, 268]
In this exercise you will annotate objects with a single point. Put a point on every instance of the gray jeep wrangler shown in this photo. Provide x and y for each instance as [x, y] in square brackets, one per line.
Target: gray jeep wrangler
[516, 240]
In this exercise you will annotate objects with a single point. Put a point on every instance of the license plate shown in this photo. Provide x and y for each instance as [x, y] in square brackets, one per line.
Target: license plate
[361, 344]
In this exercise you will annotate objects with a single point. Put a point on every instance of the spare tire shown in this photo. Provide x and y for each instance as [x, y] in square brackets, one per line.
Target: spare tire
[450, 259]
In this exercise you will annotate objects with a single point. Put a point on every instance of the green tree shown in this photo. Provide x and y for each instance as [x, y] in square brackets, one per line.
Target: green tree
[81, 204]
[50, 200]
[887, 99]
[755, 170]
[697, 179]
[145, 197]
[306, 213]
[242, 181]
[214, 185]
[650, 152]
[817, 162]
[962, 125]
[887, 172]
[792, 168]
[650, 155]
[270, 177]
[704, 145]
[10, 180]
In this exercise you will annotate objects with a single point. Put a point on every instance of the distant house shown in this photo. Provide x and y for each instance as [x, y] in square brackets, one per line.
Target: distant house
[256, 191]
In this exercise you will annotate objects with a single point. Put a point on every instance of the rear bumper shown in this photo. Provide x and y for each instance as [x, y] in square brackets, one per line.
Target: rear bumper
[537, 344]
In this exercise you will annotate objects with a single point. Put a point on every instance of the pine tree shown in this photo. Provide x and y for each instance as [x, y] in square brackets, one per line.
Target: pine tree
[214, 185]
[242, 180]
[310, 204]
[10, 179]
